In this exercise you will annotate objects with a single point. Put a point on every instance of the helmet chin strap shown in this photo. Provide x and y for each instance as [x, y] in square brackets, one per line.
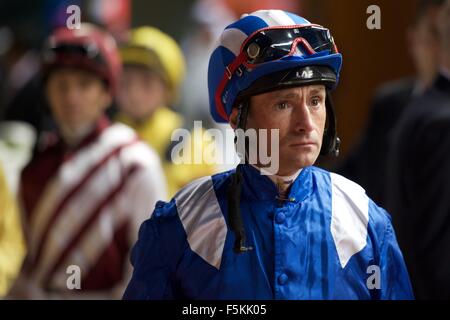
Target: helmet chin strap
[235, 187]
[331, 142]
[243, 108]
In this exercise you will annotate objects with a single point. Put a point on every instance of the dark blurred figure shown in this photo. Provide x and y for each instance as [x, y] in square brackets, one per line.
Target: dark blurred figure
[22, 99]
[84, 195]
[367, 163]
[18, 64]
[419, 181]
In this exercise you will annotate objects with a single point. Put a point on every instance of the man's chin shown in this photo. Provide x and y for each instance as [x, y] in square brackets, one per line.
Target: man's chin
[75, 129]
[305, 160]
[72, 126]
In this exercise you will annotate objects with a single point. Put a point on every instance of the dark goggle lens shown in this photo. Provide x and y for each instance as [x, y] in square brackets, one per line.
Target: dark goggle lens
[274, 44]
[87, 51]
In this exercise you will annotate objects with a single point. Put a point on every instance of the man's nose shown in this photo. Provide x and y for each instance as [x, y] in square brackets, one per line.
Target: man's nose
[71, 95]
[302, 117]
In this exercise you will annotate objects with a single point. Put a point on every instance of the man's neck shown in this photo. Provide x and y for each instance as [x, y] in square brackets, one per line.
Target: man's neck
[281, 181]
[73, 137]
[144, 118]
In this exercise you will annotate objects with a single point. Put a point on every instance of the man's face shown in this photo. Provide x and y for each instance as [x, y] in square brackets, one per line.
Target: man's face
[444, 25]
[141, 92]
[77, 98]
[425, 47]
[300, 115]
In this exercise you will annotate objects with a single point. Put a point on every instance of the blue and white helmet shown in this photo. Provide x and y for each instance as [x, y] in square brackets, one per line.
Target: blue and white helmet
[240, 58]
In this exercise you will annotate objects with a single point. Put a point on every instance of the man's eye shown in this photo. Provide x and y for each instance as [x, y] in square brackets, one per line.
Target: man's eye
[282, 106]
[315, 101]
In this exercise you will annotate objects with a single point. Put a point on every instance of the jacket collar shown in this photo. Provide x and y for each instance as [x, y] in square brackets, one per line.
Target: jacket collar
[260, 187]
[100, 125]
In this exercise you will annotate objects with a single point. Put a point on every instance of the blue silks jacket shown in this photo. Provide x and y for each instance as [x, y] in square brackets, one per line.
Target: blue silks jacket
[328, 241]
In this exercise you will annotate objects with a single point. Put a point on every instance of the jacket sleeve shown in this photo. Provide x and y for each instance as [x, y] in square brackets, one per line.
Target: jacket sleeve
[395, 283]
[155, 256]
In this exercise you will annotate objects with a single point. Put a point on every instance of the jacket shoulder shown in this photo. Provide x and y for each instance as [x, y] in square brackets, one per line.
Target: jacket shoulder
[356, 195]
[190, 195]
[197, 209]
[353, 216]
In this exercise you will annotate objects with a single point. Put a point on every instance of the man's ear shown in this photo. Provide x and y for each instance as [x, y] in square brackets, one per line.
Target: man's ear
[234, 118]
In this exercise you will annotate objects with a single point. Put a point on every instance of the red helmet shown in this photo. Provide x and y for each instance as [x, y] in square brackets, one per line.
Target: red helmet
[88, 48]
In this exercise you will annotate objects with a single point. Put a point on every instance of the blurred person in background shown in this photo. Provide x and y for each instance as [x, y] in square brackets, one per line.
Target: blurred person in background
[367, 162]
[154, 68]
[17, 139]
[12, 245]
[23, 98]
[418, 185]
[85, 194]
[18, 64]
[19, 118]
[209, 17]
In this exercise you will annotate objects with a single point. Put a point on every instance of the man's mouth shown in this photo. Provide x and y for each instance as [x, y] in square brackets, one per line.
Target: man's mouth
[303, 144]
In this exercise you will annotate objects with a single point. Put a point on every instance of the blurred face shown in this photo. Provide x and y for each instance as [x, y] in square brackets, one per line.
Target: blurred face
[444, 23]
[77, 98]
[141, 92]
[300, 115]
[425, 47]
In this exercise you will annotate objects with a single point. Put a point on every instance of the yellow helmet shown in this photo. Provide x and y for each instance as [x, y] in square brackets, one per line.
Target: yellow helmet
[150, 47]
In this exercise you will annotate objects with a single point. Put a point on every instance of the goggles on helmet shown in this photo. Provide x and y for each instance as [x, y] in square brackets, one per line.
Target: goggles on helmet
[87, 51]
[270, 44]
[274, 43]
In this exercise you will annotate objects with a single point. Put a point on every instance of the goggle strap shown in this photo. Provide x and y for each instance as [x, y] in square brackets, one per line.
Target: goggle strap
[229, 71]
[305, 43]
